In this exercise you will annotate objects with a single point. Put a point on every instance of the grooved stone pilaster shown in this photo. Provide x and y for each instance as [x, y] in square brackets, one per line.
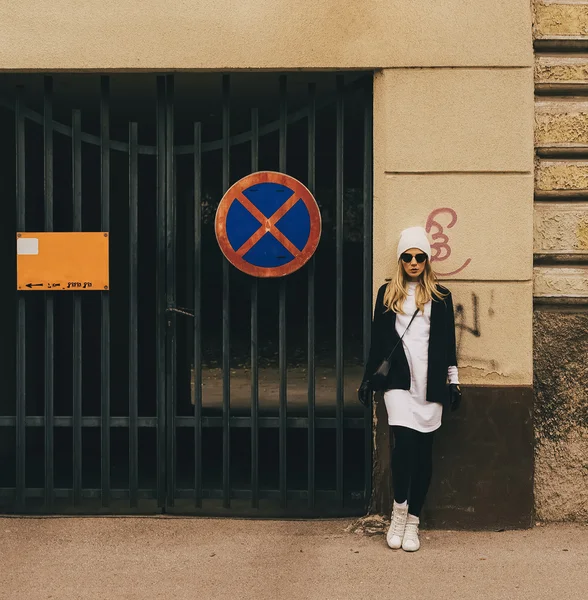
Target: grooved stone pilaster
[560, 242]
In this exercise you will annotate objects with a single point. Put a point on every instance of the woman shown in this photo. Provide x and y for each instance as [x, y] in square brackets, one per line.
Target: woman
[414, 326]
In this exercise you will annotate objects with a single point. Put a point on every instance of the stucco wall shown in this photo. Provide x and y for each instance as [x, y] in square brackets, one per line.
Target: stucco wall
[265, 34]
[455, 154]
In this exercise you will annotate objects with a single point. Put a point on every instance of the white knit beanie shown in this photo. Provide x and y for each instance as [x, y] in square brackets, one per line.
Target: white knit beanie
[414, 237]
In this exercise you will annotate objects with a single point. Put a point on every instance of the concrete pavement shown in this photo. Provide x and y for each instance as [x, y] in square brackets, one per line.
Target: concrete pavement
[181, 558]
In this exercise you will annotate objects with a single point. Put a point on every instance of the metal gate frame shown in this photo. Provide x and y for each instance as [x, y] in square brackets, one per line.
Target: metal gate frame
[166, 421]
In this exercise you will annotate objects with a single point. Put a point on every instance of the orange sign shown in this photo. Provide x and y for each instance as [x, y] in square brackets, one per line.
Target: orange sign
[72, 261]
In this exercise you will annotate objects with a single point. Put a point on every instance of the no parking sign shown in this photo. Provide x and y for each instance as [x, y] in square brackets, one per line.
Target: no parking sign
[268, 224]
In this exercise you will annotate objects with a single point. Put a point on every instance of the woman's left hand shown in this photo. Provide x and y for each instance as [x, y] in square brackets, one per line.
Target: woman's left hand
[454, 396]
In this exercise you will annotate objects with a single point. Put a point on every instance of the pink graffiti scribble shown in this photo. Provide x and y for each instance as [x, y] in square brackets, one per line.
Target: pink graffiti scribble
[441, 250]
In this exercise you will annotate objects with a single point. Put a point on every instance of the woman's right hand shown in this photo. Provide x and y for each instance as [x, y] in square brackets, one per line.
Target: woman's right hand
[364, 393]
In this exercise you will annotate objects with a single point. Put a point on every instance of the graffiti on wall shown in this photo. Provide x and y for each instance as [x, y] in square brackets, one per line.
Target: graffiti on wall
[468, 320]
[441, 248]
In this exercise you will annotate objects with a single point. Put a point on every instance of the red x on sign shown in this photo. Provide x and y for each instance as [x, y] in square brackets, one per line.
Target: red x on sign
[268, 224]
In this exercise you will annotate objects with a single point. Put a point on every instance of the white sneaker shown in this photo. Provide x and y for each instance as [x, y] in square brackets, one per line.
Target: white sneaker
[410, 542]
[397, 524]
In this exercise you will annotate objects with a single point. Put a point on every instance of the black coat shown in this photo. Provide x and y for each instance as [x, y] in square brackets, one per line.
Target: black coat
[442, 351]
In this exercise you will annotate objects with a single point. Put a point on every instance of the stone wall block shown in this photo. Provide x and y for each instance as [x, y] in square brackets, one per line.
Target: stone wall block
[561, 70]
[436, 120]
[476, 222]
[561, 125]
[560, 178]
[559, 282]
[561, 228]
[561, 19]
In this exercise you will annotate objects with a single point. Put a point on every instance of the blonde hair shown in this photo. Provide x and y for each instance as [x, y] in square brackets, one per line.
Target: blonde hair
[426, 289]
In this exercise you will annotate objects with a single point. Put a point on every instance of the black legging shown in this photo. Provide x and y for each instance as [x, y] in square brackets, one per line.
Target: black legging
[412, 466]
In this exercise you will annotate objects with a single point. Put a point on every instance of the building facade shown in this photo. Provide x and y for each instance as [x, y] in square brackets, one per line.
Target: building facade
[462, 146]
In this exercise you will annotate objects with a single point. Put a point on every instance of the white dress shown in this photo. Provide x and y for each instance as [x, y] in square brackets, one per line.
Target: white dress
[410, 408]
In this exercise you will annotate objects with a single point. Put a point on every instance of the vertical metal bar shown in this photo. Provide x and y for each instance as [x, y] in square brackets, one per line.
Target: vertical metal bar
[282, 311]
[226, 307]
[311, 302]
[339, 289]
[254, 339]
[133, 315]
[171, 291]
[21, 373]
[283, 122]
[197, 313]
[160, 298]
[105, 332]
[77, 306]
[367, 273]
[49, 304]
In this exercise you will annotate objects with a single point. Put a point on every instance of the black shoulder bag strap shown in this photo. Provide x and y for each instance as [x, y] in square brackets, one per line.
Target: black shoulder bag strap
[382, 371]
[398, 342]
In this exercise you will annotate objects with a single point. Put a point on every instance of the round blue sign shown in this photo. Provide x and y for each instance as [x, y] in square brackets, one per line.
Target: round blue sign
[268, 224]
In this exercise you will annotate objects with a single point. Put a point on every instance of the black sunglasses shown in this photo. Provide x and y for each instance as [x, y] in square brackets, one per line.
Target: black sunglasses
[420, 258]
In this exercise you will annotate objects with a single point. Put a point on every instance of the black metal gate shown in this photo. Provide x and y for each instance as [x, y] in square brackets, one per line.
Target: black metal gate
[188, 386]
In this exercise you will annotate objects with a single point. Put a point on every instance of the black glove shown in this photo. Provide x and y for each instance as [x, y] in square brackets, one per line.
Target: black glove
[364, 393]
[454, 396]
